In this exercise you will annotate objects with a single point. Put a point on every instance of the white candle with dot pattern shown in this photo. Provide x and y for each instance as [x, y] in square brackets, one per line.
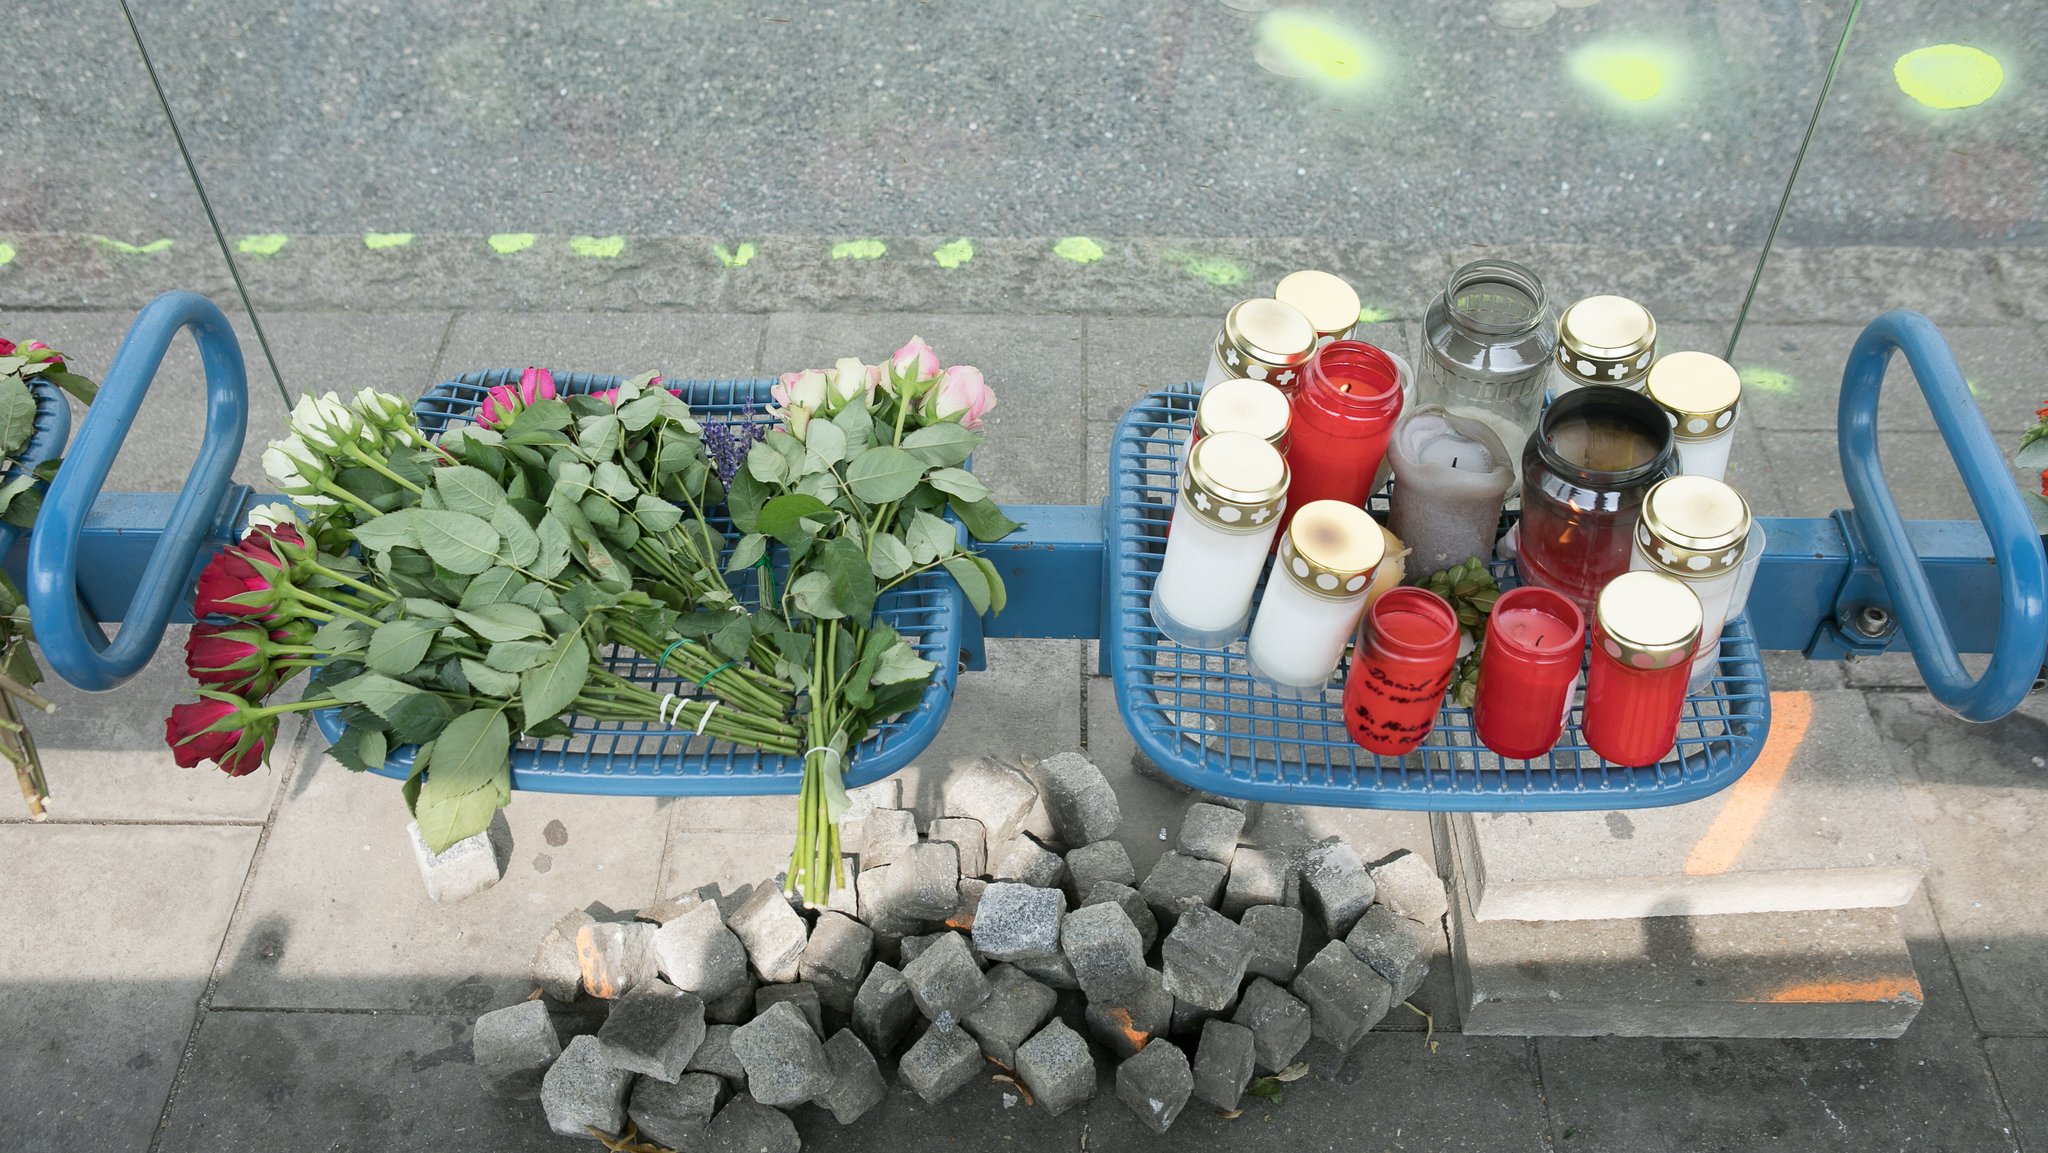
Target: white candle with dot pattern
[1321, 576]
[1700, 393]
[1231, 495]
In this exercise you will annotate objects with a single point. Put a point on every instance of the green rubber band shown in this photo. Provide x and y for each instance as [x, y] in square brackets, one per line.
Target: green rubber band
[715, 672]
[670, 650]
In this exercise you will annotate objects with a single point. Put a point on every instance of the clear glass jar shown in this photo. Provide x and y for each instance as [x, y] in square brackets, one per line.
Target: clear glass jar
[1330, 304]
[1587, 469]
[1696, 528]
[1231, 494]
[1700, 393]
[1261, 339]
[1604, 340]
[1314, 596]
[1487, 341]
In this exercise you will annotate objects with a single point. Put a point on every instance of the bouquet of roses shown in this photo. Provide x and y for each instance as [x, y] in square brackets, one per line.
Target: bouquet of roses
[21, 497]
[854, 486]
[453, 594]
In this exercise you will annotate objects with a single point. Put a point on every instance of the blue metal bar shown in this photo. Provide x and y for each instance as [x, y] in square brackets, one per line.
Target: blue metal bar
[2022, 634]
[76, 648]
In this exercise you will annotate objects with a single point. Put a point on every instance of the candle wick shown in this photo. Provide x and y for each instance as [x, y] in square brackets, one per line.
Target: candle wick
[1454, 461]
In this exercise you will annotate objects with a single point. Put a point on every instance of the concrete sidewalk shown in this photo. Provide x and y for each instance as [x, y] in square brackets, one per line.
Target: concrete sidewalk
[196, 963]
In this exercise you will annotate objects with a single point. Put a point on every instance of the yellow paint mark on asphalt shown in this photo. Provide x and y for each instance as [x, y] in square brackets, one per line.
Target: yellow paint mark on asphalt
[1750, 797]
[6, 254]
[379, 241]
[1218, 271]
[597, 247]
[508, 243]
[127, 249]
[1767, 380]
[1949, 76]
[954, 253]
[1314, 47]
[1905, 987]
[1079, 249]
[736, 258]
[268, 244]
[1371, 315]
[859, 250]
[1630, 75]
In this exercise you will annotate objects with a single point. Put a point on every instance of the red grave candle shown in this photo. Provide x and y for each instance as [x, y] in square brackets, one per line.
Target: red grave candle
[1644, 631]
[1344, 414]
[1534, 639]
[1406, 650]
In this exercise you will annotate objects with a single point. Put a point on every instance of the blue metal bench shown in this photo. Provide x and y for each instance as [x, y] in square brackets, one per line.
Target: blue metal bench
[1860, 582]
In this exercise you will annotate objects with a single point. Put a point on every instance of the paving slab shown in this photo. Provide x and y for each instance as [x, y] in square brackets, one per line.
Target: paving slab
[2000, 362]
[1392, 1093]
[679, 344]
[1819, 822]
[2021, 1066]
[1801, 974]
[336, 916]
[1034, 450]
[1807, 469]
[110, 933]
[307, 1080]
[1025, 704]
[105, 758]
[1929, 1089]
[1981, 808]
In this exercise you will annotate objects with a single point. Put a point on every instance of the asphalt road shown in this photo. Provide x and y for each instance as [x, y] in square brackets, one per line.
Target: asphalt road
[1416, 125]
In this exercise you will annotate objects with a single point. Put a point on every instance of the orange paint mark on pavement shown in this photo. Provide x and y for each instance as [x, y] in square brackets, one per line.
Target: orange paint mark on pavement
[1905, 988]
[1737, 822]
[598, 976]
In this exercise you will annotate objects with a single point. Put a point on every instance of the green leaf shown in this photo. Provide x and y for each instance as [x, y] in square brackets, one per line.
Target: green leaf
[827, 441]
[81, 387]
[2032, 457]
[901, 663]
[811, 593]
[516, 656]
[930, 538]
[883, 473]
[971, 581]
[853, 582]
[744, 499]
[17, 414]
[489, 681]
[398, 647]
[732, 638]
[520, 543]
[2039, 508]
[445, 818]
[656, 514]
[339, 636]
[457, 541]
[572, 478]
[542, 416]
[419, 718]
[502, 621]
[554, 548]
[392, 530]
[958, 482]
[984, 520]
[781, 517]
[469, 490]
[858, 424]
[767, 465]
[492, 585]
[375, 692]
[748, 552]
[947, 443]
[360, 749]
[551, 686]
[998, 593]
[611, 480]
[888, 556]
[600, 435]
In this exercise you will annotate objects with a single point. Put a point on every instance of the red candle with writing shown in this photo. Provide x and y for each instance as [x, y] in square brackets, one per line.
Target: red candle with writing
[1534, 639]
[1344, 414]
[1406, 650]
[1645, 628]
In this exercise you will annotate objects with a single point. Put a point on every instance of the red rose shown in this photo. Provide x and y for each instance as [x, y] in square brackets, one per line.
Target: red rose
[6, 347]
[229, 574]
[238, 752]
[55, 358]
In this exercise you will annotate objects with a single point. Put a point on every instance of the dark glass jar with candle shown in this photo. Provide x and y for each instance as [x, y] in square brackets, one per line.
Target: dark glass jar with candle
[1585, 472]
[1343, 415]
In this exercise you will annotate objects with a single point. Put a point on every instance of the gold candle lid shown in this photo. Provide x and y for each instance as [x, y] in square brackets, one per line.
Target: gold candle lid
[1648, 620]
[1331, 549]
[1606, 340]
[1235, 481]
[1244, 405]
[1693, 526]
[1266, 339]
[1330, 304]
[1699, 392]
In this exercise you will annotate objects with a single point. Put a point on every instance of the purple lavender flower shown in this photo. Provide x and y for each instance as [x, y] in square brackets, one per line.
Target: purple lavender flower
[728, 442]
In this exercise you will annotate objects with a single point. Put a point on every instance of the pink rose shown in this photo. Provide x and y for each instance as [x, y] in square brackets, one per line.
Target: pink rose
[961, 393]
[806, 388]
[504, 402]
[915, 360]
[850, 378]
